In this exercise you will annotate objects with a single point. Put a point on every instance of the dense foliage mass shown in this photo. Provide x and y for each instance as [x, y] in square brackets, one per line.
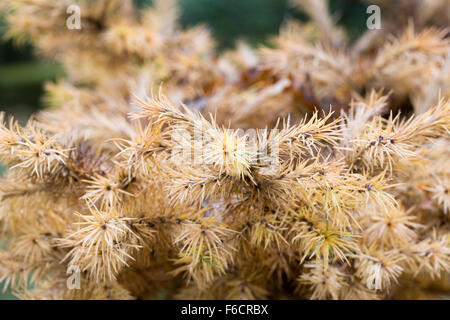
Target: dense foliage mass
[313, 168]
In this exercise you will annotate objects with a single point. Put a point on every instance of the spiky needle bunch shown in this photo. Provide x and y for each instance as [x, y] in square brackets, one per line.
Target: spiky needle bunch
[254, 187]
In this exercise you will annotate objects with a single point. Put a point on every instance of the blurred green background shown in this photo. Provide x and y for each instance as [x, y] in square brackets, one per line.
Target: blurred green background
[22, 74]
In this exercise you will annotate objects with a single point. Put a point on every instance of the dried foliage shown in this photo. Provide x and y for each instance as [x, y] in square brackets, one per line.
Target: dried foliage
[141, 175]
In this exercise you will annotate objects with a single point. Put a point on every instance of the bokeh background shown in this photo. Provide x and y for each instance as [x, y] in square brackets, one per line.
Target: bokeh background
[22, 74]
